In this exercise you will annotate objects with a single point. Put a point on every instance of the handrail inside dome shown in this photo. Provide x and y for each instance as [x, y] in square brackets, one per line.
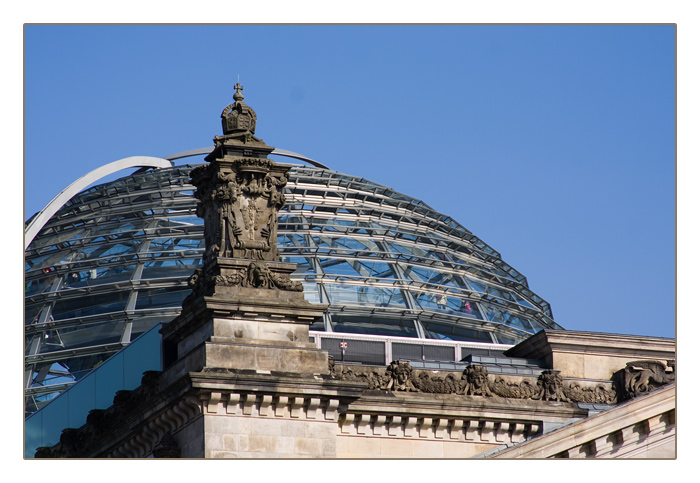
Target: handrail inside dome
[37, 223]
[279, 152]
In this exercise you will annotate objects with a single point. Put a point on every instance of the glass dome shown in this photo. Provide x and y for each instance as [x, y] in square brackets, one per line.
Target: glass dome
[114, 261]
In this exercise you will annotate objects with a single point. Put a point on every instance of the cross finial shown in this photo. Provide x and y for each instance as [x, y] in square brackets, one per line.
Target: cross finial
[237, 96]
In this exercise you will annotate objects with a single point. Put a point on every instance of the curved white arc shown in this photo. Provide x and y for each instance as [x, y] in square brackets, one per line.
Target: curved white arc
[279, 152]
[284, 152]
[83, 182]
[187, 154]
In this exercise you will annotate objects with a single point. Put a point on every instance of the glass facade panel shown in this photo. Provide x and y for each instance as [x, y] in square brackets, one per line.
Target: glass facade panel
[110, 381]
[311, 292]
[452, 305]
[421, 352]
[122, 371]
[38, 285]
[81, 399]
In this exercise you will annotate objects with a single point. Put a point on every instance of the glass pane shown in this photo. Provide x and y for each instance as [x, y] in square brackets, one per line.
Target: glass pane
[39, 285]
[161, 297]
[451, 332]
[81, 399]
[364, 295]
[311, 292]
[33, 432]
[142, 355]
[55, 420]
[163, 266]
[82, 336]
[109, 381]
[89, 305]
[448, 304]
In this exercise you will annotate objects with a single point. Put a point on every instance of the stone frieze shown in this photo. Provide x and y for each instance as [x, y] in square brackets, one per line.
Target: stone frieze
[476, 381]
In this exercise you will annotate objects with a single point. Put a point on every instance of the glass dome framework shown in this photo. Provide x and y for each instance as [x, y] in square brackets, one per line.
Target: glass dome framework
[115, 260]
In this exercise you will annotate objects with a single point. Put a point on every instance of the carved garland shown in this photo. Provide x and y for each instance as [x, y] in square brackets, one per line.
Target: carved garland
[475, 381]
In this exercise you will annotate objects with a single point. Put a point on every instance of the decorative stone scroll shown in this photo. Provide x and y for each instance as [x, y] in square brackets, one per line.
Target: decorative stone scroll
[641, 377]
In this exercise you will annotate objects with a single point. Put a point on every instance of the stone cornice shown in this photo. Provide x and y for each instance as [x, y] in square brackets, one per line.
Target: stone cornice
[289, 384]
[206, 308]
[546, 342]
[463, 406]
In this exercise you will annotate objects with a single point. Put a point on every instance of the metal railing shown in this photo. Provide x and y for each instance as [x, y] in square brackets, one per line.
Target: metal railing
[381, 350]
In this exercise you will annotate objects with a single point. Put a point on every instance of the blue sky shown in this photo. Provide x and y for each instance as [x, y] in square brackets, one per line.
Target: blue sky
[554, 144]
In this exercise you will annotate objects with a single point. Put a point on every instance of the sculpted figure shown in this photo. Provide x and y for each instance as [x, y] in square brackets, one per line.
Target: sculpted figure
[642, 376]
[400, 373]
[550, 386]
[476, 381]
[258, 276]
[273, 189]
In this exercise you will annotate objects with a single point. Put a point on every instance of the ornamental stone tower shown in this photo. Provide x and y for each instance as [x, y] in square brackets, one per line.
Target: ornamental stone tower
[243, 304]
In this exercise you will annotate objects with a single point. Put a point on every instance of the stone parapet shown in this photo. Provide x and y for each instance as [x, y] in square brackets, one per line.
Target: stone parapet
[591, 355]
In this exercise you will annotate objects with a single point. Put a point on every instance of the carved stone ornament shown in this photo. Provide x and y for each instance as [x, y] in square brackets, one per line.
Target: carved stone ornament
[449, 384]
[260, 276]
[476, 381]
[252, 275]
[240, 208]
[523, 389]
[550, 386]
[400, 377]
[238, 116]
[331, 367]
[641, 377]
[370, 376]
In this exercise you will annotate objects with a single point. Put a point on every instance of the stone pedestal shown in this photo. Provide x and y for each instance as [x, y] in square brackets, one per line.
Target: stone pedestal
[245, 327]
